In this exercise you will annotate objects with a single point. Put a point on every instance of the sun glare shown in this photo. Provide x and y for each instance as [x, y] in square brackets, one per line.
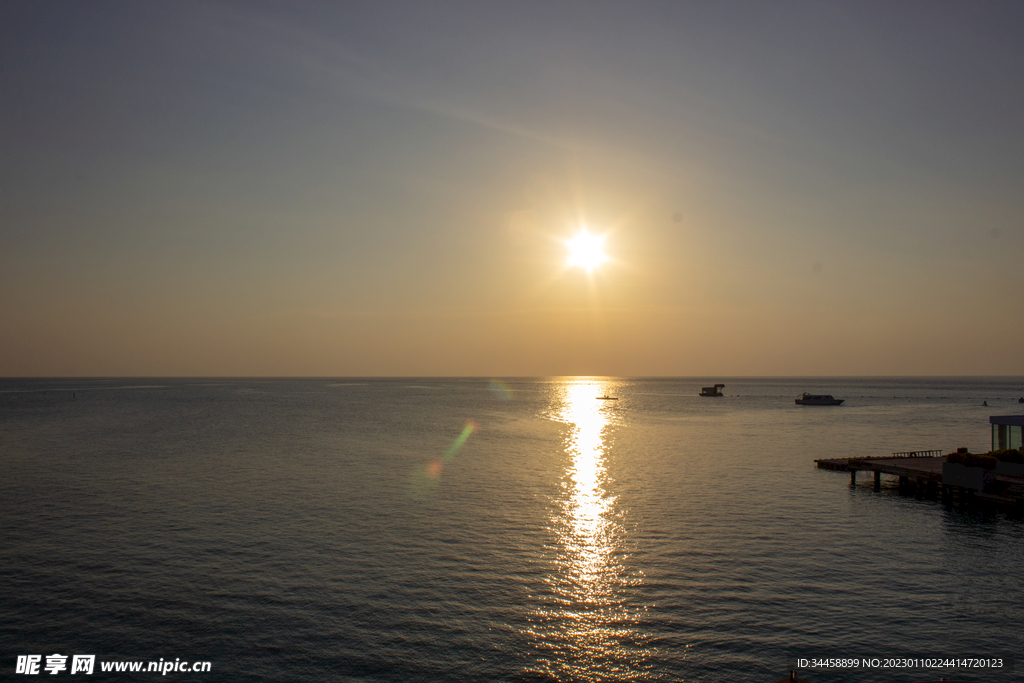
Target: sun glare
[586, 250]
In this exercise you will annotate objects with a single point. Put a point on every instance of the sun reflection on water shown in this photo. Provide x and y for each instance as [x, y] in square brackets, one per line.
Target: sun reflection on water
[589, 535]
[584, 630]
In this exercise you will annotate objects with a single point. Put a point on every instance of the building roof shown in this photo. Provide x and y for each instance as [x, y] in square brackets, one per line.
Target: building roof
[1007, 420]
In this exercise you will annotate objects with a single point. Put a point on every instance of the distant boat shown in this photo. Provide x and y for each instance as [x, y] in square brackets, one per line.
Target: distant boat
[791, 679]
[818, 400]
[606, 397]
[712, 391]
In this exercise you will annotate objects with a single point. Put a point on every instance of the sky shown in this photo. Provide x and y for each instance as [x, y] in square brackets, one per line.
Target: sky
[387, 188]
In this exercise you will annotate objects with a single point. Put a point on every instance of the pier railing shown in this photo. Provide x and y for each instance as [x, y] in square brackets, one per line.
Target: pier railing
[918, 454]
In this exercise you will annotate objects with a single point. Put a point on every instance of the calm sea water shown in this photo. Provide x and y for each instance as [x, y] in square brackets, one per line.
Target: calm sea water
[477, 530]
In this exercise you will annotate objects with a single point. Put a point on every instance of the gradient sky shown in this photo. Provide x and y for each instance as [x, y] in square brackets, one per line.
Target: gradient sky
[383, 188]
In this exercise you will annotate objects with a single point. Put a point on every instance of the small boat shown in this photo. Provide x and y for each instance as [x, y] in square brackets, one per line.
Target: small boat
[606, 397]
[712, 391]
[791, 679]
[818, 400]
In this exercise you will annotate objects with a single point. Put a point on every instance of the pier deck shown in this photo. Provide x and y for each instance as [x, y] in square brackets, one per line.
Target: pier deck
[922, 474]
[927, 468]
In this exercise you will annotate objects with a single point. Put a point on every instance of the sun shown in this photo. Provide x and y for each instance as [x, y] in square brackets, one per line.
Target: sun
[586, 251]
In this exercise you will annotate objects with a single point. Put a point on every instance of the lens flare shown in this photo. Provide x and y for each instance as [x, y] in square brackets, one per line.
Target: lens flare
[499, 390]
[425, 477]
[470, 427]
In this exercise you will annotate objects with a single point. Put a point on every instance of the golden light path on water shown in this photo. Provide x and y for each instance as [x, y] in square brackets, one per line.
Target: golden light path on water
[589, 537]
[584, 631]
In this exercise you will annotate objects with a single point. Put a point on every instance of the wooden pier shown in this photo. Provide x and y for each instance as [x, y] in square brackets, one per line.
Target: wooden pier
[920, 474]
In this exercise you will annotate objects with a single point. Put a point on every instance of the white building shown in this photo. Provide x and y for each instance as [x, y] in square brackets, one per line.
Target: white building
[1006, 431]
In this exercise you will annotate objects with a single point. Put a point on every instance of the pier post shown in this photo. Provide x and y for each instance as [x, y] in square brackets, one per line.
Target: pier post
[853, 477]
[878, 480]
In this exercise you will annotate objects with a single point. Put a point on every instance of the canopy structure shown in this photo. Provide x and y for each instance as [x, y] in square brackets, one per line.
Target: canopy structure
[1006, 431]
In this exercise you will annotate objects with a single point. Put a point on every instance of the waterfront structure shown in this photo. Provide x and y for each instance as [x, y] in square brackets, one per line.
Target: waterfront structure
[1006, 431]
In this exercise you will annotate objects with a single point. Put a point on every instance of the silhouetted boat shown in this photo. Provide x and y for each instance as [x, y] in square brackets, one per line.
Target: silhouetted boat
[791, 679]
[712, 391]
[819, 400]
[606, 397]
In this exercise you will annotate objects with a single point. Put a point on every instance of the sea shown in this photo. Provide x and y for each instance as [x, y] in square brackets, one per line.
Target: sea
[497, 529]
